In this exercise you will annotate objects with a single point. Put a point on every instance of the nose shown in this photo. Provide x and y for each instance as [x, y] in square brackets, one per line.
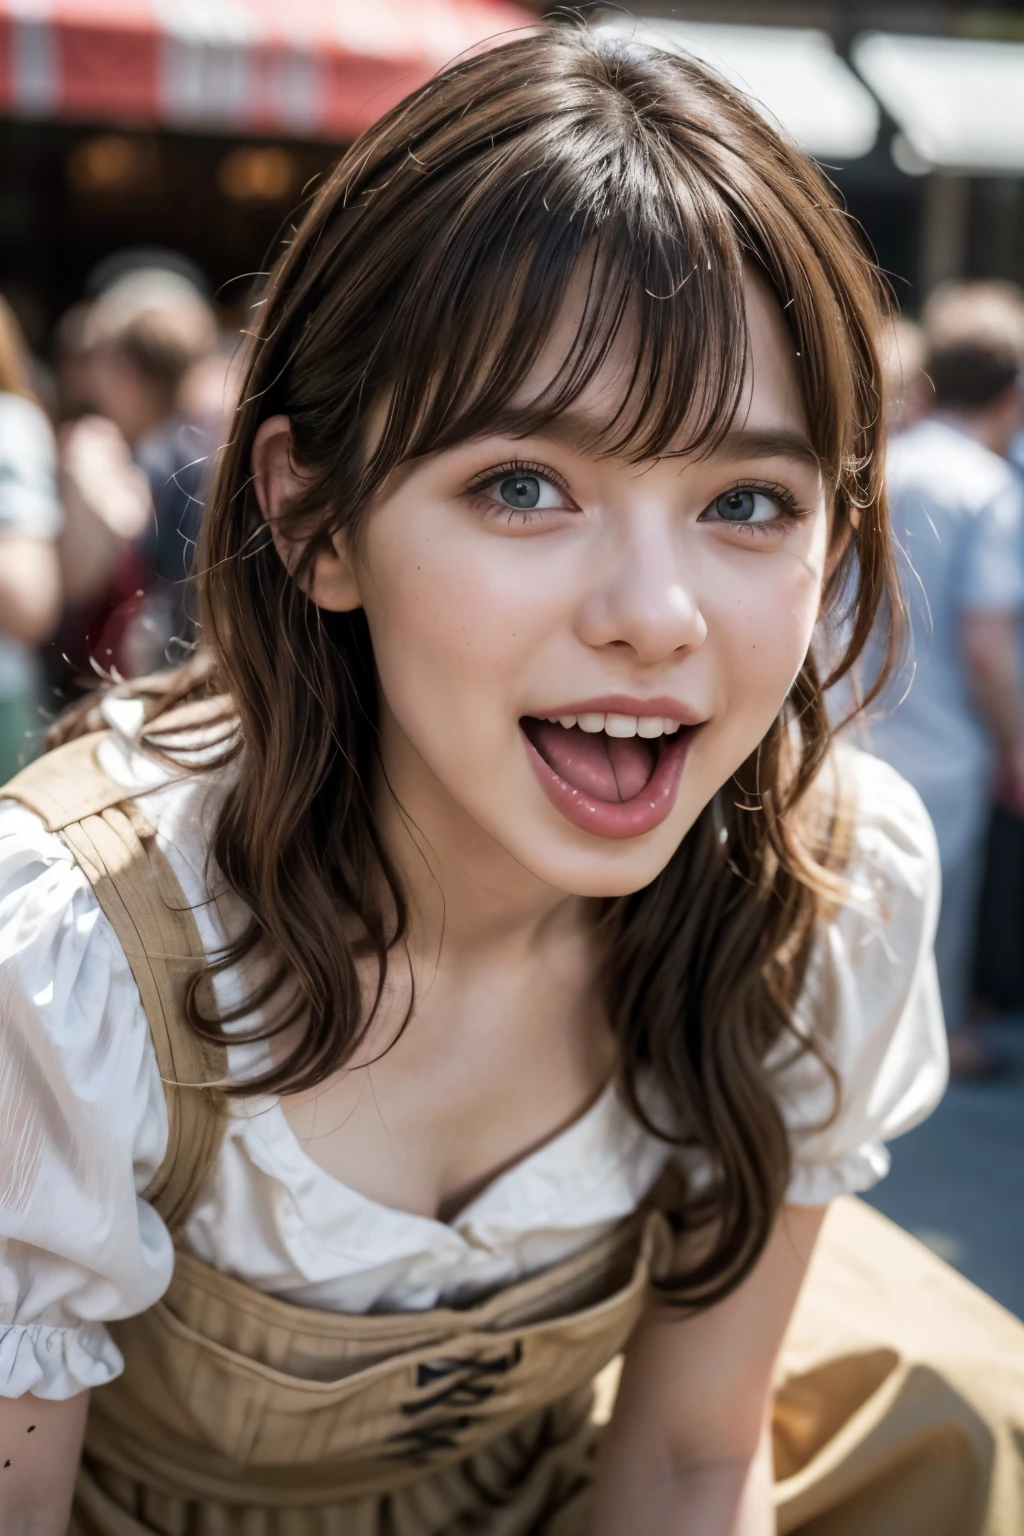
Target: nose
[645, 600]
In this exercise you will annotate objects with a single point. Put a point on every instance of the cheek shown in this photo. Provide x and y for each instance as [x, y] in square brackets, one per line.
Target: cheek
[764, 621]
[454, 620]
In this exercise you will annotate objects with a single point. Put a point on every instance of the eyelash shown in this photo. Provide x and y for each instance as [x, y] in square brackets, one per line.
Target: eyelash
[788, 504]
[492, 477]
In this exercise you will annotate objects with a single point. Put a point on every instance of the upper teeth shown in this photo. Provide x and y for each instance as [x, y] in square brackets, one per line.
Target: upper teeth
[619, 725]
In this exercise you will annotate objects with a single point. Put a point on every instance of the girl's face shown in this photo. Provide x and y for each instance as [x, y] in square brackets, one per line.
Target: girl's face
[575, 652]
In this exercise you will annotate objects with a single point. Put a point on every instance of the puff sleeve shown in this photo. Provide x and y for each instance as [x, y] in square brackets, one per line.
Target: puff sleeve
[870, 1001]
[83, 1126]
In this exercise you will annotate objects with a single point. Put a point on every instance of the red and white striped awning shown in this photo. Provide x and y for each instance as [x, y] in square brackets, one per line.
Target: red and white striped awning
[306, 68]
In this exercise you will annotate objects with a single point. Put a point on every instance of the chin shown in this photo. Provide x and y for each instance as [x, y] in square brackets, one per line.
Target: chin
[584, 865]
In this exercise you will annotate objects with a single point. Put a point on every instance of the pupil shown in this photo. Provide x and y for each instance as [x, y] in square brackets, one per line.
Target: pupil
[736, 506]
[521, 490]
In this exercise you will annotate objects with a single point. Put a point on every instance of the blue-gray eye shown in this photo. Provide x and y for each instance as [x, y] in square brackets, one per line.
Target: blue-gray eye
[744, 506]
[735, 506]
[520, 491]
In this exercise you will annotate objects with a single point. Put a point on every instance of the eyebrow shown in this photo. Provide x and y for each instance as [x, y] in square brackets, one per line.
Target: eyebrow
[574, 429]
[780, 443]
[579, 431]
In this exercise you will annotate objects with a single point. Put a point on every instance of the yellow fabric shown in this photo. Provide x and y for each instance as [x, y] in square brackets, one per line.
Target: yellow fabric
[899, 1404]
[900, 1401]
[239, 1412]
[229, 1395]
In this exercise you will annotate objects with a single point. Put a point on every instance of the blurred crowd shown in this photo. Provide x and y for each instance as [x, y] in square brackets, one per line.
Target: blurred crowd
[952, 718]
[106, 449]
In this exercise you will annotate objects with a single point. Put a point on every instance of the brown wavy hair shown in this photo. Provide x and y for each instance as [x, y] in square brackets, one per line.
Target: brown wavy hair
[427, 273]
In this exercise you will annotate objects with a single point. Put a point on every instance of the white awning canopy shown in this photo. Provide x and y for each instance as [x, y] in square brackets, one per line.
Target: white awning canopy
[959, 102]
[793, 73]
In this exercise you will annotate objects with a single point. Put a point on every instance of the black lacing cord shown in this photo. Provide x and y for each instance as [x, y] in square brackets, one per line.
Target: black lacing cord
[467, 1387]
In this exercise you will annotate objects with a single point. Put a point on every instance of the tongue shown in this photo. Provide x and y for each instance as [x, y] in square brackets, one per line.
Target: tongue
[606, 767]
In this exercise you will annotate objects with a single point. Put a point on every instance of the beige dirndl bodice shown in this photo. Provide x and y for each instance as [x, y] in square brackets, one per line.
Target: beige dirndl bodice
[239, 1414]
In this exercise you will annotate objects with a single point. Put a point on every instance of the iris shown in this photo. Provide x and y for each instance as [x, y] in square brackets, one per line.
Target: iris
[736, 506]
[520, 490]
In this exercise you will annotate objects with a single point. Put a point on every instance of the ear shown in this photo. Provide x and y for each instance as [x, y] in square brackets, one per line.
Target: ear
[278, 483]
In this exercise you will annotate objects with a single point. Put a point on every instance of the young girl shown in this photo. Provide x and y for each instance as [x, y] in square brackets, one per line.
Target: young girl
[474, 965]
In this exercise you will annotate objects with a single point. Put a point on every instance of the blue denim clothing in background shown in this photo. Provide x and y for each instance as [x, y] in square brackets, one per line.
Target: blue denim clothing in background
[958, 518]
[177, 458]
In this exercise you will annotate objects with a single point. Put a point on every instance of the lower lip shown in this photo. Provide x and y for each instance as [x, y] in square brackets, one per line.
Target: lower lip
[617, 818]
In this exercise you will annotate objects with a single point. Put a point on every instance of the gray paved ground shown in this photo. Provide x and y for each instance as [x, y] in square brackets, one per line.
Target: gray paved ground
[957, 1182]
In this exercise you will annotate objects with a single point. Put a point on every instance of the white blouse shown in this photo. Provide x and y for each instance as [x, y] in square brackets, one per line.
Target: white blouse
[83, 1121]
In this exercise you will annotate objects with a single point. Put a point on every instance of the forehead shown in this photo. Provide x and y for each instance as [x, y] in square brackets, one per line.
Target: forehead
[771, 397]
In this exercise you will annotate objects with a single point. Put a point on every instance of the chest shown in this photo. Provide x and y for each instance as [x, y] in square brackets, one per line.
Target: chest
[485, 1069]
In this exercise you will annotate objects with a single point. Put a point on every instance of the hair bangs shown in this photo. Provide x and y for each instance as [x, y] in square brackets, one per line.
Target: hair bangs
[635, 279]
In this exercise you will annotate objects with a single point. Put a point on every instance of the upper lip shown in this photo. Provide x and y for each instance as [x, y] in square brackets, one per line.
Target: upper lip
[624, 704]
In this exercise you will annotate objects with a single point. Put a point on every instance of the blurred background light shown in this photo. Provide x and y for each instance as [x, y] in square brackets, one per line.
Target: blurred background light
[110, 163]
[259, 174]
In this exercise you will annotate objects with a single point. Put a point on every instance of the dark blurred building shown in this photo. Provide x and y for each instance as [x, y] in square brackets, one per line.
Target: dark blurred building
[71, 195]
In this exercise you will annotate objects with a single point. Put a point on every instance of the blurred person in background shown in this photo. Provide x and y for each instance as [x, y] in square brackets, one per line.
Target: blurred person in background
[143, 334]
[109, 513]
[999, 950]
[30, 522]
[908, 391]
[71, 364]
[953, 724]
[135, 349]
[206, 402]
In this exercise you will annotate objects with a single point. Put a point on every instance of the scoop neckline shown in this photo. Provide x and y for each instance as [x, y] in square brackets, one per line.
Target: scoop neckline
[284, 1147]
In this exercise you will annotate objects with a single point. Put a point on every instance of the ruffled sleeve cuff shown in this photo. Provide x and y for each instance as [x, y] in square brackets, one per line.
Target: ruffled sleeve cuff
[56, 1363]
[818, 1183]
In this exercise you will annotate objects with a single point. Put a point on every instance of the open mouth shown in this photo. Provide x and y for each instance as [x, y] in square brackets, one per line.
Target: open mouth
[615, 775]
